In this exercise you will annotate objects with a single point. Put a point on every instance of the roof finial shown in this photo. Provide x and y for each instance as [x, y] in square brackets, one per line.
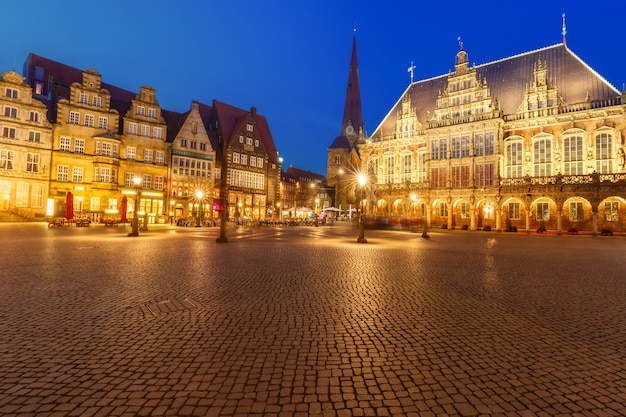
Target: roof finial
[355, 27]
[410, 70]
[460, 43]
[563, 30]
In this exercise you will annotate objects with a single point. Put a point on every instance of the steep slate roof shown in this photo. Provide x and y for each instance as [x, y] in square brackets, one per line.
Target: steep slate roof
[507, 80]
[175, 122]
[64, 75]
[231, 120]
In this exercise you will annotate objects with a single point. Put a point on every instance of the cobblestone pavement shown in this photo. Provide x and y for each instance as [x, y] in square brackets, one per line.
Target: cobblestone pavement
[307, 322]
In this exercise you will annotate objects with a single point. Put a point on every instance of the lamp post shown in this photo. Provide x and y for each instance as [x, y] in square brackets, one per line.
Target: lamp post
[361, 239]
[135, 231]
[199, 196]
[172, 204]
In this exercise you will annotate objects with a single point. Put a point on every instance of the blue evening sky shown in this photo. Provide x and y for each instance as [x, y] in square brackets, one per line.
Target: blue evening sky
[290, 58]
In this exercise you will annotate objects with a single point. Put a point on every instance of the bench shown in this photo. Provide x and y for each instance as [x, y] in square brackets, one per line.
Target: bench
[56, 222]
[82, 223]
[111, 222]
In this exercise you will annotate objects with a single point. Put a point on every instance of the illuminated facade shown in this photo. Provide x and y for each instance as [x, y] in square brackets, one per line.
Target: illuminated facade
[25, 143]
[531, 142]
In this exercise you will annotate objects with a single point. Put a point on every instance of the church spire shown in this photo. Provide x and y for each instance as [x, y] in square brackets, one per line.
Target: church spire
[352, 125]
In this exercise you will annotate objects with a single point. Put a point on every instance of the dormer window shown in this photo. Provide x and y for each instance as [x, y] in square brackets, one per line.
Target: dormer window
[141, 111]
[152, 113]
[249, 127]
[97, 101]
[83, 98]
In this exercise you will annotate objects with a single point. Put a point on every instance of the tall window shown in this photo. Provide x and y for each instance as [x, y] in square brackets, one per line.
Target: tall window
[514, 211]
[103, 174]
[573, 155]
[89, 120]
[479, 144]
[103, 123]
[434, 150]
[6, 159]
[389, 167]
[62, 173]
[78, 174]
[32, 162]
[34, 116]
[141, 110]
[483, 175]
[158, 182]
[64, 144]
[21, 194]
[514, 160]
[145, 130]
[128, 179]
[147, 181]
[421, 167]
[465, 146]
[131, 153]
[157, 133]
[543, 211]
[489, 143]
[465, 210]
[575, 211]
[604, 162]
[160, 157]
[443, 148]
[106, 149]
[97, 101]
[460, 176]
[36, 196]
[438, 177]
[152, 113]
[542, 155]
[132, 128]
[443, 209]
[83, 98]
[611, 211]
[74, 117]
[406, 167]
[456, 147]
[147, 156]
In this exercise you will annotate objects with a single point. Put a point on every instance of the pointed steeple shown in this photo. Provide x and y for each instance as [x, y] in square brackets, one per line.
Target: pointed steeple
[352, 125]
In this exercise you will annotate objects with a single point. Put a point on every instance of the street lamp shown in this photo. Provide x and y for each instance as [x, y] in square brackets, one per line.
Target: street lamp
[317, 202]
[362, 179]
[199, 196]
[135, 231]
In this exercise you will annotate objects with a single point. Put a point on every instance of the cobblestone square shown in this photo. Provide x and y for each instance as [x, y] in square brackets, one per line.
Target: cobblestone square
[304, 321]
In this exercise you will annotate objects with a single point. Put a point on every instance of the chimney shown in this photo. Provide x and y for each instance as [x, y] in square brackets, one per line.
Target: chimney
[253, 111]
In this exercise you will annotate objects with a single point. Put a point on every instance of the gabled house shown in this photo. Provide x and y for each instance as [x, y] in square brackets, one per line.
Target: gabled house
[249, 162]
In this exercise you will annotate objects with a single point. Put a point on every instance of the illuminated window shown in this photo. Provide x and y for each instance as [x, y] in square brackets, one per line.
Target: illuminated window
[79, 145]
[78, 174]
[514, 211]
[573, 155]
[103, 123]
[74, 117]
[131, 153]
[542, 156]
[604, 162]
[62, 172]
[514, 167]
[611, 211]
[64, 144]
[145, 130]
[89, 120]
[132, 128]
[575, 211]
[543, 211]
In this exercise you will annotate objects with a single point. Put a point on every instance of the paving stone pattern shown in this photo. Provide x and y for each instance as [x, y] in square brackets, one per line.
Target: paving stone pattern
[307, 322]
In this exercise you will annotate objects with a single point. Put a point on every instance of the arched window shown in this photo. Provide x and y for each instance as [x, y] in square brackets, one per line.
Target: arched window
[421, 166]
[514, 167]
[604, 154]
[406, 160]
[542, 157]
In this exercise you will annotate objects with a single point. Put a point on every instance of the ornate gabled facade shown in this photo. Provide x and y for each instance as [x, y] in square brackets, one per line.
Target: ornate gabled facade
[25, 150]
[86, 150]
[145, 155]
[192, 165]
[249, 162]
[530, 142]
